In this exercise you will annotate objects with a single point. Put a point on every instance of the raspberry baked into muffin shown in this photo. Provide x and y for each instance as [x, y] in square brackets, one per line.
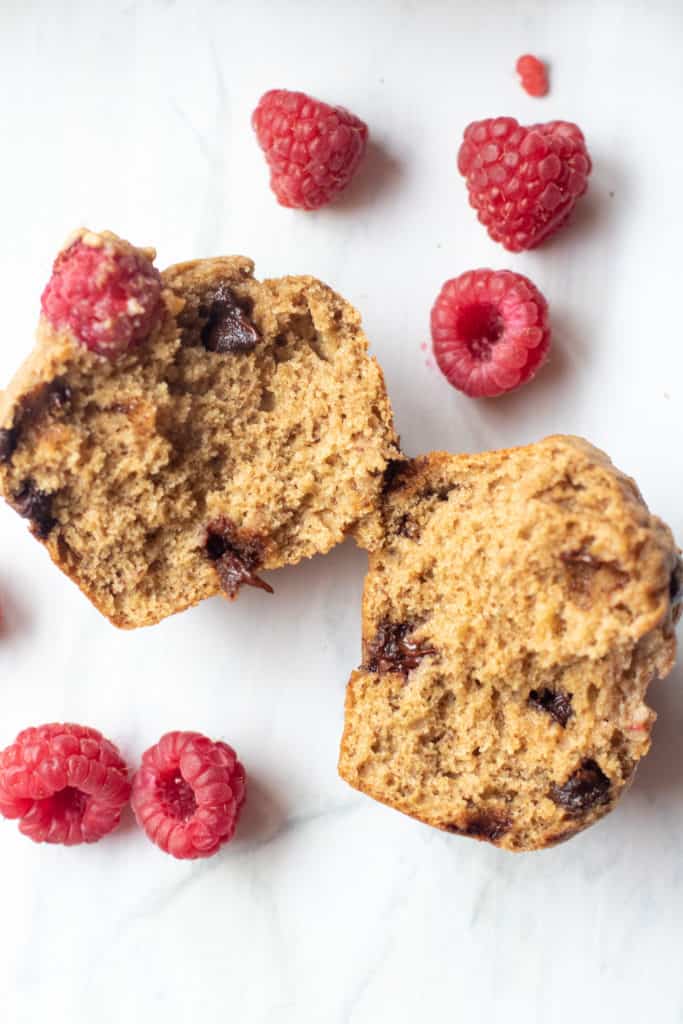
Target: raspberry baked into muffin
[171, 435]
[516, 608]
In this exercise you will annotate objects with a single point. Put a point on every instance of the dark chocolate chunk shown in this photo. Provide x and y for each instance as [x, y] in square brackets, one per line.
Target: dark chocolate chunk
[585, 572]
[33, 504]
[233, 571]
[481, 826]
[392, 650]
[585, 788]
[228, 329]
[396, 475]
[58, 395]
[581, 555]
[581, 569]
[236, 555]
[51, 396]
[439, 491]
[9, 439]
[556, 703]
[399, 473]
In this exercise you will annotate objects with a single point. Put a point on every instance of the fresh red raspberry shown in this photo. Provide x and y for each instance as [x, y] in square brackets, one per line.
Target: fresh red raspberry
[65, 783]
[12, 807]
[533, 75]
[489, 331]
[312, 149]
[105, 291]
[523, 182]
[188, 794]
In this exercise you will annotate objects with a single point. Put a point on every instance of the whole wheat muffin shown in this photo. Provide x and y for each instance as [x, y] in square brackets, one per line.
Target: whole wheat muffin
[171, 436]
[518, 607]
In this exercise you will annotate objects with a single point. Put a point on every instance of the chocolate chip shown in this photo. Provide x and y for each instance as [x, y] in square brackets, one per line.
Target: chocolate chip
[399, 473]
[581, 569]
[587, 787]
[9, 439]
[554, 702]
[33, 504]
[440, 491]
[396, 475]
[236, 555]
[481, 826]
[228, 329]
[51, 396]
[676, 585]
[58, 395]
[588, 575]
[392, 650]
[581, 555]
[233, 571]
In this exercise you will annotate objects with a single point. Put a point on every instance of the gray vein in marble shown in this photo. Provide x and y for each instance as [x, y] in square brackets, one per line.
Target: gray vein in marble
[203, 145]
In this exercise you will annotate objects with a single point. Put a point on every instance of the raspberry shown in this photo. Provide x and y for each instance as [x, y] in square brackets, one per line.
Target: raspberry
[105, 291]
[312, 149]
[523, 182]
[533, 75]
[65, 783]
[188, 794]
[489, 331]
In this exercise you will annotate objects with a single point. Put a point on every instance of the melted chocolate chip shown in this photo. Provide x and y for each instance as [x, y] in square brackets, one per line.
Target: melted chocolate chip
[439, 491]
[228, 329]
[51, 396]
[236, 556]
[554, 702]
[399, 472]
[581, 555]
[588, 575]
[481, 826]
[33, 504]
[396, 475]
[9, 439]
[58, 395]
[585, 788]
[392, 650]
[581, 569]
[676, 585]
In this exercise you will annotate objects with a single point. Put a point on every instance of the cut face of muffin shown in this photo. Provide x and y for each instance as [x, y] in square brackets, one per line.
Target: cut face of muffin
[519, 607]
[245, 430]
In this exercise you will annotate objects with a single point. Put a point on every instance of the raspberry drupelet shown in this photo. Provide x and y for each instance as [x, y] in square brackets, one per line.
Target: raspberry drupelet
[523, 182]
[490, 331]
[105, 291]
[188, 793]
[313, 149]
[533, 75]
[65, 784]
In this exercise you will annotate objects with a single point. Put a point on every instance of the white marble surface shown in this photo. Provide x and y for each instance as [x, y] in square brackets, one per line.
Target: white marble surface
[329, 908]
